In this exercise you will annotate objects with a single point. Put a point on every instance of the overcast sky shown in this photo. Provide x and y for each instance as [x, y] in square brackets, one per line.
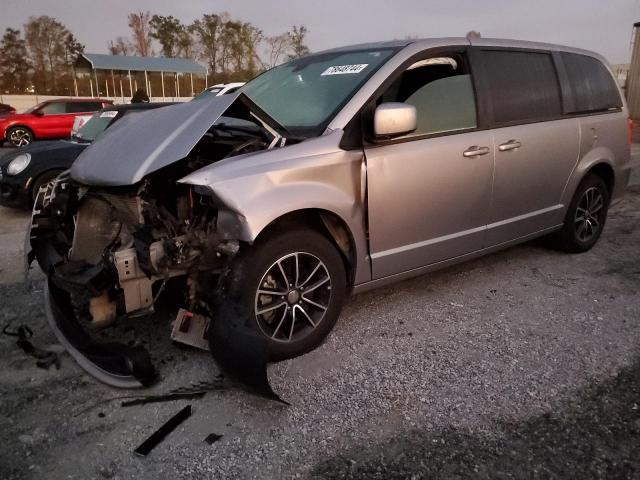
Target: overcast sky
[601, 25]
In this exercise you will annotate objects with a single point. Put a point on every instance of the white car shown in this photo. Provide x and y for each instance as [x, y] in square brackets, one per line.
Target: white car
[224, 88]
[78, 122]
[219, 90]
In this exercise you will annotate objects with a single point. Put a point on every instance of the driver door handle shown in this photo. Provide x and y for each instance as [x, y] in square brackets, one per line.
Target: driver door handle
[475, 151]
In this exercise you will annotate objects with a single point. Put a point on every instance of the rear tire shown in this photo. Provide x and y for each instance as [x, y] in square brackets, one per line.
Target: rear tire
[20, 136]
[586, 216]
[293, 312]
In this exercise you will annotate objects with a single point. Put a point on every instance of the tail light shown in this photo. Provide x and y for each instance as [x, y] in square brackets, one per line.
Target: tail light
[630, 127]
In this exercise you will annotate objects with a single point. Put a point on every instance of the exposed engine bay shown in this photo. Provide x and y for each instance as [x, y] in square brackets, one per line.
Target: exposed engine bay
[109, 252]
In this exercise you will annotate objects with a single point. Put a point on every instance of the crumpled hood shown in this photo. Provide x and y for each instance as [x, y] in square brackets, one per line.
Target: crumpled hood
[140, 144]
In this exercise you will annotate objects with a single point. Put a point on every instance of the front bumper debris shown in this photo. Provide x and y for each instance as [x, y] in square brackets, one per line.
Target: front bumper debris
[108, 255]
[115, 364]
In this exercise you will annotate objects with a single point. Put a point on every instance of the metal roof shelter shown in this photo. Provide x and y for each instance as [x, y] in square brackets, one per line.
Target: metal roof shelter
[94, 62]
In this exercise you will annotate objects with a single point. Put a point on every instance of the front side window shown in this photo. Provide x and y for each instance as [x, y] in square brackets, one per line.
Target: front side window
[523, 86]
[303, 95]
[441, 90]
[53, 109]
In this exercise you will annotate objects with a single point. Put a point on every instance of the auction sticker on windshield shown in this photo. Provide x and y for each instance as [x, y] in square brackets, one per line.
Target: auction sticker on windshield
[344, 69]
[109, 114]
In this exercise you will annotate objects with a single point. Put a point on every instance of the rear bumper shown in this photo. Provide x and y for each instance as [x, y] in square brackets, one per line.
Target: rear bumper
[623, 174]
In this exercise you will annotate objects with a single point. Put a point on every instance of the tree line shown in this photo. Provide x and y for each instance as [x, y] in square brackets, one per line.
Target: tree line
[40, 58]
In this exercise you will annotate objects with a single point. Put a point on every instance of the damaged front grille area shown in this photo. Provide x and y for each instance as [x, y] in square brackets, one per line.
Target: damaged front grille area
[109, 254]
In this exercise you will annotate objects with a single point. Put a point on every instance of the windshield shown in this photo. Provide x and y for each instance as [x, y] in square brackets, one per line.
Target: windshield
[93, 127]
[303, 95]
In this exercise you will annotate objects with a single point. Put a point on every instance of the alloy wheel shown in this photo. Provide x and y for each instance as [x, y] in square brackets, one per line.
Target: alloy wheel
[293, 297]
[20, 137]
[589, 214]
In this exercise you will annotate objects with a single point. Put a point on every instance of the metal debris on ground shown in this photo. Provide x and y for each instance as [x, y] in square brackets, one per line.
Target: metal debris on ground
[163, 398]
[196, 390]
[44, 358]
[212, 438]
[191, 329]
[156, 437]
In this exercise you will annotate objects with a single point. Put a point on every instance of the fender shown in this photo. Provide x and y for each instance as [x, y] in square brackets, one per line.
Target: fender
[258, 188]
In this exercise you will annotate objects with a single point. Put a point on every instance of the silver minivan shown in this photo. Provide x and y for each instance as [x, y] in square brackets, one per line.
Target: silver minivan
[342, 171]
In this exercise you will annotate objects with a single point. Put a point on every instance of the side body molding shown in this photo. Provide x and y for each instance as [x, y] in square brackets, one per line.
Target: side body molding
[258, 188]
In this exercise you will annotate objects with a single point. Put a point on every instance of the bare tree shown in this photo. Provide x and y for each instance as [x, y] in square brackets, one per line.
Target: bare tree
[141, 31]
[120, 46]
[276, 49]
[298, 47]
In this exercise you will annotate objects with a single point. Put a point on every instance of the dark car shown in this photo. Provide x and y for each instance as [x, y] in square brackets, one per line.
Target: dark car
[6, 110]
[23, 171]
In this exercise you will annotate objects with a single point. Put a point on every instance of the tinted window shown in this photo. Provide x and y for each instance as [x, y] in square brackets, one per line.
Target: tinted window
[78, 107]
[592, 87]
[523, 86]
[53, 108]
[441, 92]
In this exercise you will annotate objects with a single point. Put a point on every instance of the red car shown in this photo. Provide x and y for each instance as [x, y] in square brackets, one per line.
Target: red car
[47, 120]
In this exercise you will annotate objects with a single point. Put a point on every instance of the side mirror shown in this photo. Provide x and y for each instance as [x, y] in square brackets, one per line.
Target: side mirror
[38, 113]
[393, 118]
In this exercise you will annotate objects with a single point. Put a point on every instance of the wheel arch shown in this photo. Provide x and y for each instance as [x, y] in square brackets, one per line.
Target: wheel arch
[600, 161]
[605, 171]
[18, 125]
[36, 178]
[326, 222]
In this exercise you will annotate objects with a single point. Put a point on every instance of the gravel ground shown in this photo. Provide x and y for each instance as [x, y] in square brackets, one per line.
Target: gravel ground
[523, 364]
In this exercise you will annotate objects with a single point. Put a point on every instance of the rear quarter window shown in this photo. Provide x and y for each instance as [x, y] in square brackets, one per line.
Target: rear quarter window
[591, 86]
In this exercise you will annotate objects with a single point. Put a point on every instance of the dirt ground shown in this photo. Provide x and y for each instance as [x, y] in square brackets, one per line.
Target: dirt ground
[522, 364]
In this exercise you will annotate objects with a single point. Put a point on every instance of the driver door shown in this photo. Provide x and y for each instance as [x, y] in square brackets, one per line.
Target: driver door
[54, 122]
[429, 192]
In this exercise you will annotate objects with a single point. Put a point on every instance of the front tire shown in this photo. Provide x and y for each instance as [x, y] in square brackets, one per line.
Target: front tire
[43, 179]
[586, 216]
[20, 136]
[289, 289]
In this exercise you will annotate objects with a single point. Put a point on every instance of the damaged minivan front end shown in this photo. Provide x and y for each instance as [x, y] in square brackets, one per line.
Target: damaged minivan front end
[242, 215]
[110, 239]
